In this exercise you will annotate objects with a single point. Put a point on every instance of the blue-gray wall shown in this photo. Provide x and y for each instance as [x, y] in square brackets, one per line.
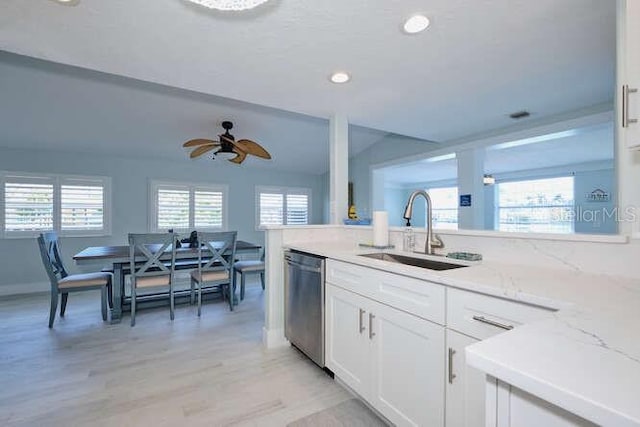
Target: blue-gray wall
[19, 259]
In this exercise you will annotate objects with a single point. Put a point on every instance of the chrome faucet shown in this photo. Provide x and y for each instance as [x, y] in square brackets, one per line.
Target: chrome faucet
[433, 241]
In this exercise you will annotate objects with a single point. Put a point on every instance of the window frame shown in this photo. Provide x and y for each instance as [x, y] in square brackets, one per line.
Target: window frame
[457, 207]
[192, 187]
[57, 181]
[285, 191]
[498, 207]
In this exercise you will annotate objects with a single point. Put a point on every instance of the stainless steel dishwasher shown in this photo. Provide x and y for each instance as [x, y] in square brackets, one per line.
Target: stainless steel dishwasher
[304, 303]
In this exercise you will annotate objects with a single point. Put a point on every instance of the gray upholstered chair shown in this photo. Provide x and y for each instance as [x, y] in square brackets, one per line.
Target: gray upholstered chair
[221, 247]
[147, 268]
[248, 267]
[63, 283]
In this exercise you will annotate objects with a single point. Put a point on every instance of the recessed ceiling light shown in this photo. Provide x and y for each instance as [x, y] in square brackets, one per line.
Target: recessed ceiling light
[416, 24]
[340, 77]
[67, 2]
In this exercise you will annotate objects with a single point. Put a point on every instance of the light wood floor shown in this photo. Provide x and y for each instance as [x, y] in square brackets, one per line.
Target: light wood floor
[208, 371]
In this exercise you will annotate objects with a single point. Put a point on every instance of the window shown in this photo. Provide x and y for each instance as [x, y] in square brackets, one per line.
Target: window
[282, 206]
[445, 207]
[72, 206]
[541, 205]
[185, 207]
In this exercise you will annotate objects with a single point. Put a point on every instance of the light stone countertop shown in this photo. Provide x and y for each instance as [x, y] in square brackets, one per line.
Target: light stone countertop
[586, 359]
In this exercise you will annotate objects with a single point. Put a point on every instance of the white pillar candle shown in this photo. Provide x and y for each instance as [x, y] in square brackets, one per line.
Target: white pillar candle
[380, 228]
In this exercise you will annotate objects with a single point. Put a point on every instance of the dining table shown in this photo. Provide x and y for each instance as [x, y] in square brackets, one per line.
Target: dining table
[118, 259]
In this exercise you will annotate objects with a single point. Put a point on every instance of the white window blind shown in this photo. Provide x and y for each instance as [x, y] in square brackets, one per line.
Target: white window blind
[173, 208]
[70, 205]
[271, 209]
[208, 209]
[28, 206]
[82, 207]
[297, 209]
[282, 206]
[184, 207]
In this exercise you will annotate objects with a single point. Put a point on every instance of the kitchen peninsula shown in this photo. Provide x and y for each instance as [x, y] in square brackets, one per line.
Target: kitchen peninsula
[572, 359]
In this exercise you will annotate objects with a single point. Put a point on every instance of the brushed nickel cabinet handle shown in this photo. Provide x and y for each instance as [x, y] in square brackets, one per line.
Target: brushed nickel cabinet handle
[626, 91]
[371, 333]
[360, 321]
[452, 376]
[482, 319]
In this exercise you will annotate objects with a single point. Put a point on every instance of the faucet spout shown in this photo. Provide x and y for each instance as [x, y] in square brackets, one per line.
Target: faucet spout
[408, 212]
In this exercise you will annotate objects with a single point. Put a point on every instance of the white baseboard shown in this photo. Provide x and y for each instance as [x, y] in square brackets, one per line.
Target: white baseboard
[24, 288]
[274, 338]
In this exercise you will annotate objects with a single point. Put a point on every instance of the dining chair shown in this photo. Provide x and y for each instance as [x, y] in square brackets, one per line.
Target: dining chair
[217, 270]
[63, 283]
[248, 267]
[147, 269]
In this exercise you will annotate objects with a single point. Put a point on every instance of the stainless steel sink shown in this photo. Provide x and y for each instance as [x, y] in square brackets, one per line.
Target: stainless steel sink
[416, 262]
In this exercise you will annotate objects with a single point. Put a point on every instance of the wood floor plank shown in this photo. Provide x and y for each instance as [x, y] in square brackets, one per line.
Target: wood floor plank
[207, 371]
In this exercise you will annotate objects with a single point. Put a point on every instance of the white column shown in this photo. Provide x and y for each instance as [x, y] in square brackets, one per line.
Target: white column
[470, 174]
[338, 168]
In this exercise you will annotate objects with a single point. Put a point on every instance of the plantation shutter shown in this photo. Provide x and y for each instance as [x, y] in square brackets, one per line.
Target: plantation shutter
[82, 207]
[297, 209]
[172, 208]
[208, 209]
[271, 209]
[28, 204]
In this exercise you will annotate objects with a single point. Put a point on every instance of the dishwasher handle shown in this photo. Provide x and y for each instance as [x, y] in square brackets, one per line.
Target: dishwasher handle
[303, 267]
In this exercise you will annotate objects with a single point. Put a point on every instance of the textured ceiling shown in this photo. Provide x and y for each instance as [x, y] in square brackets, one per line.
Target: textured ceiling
[479, 60]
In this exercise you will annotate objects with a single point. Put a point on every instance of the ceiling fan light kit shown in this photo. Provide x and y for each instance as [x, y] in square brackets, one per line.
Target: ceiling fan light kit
[228, 147]
[229, 5]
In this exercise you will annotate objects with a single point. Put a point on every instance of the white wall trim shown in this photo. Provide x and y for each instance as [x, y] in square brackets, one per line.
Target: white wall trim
[274, 338]
[24, 288]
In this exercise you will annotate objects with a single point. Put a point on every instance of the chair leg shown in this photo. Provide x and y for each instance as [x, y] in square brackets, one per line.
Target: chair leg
[54, 307]
[63, 303]
[193, 287]
[133, 304]
[103, 302]
[171, 301]
[232, 294]
[242, 286]
[110, 294]
[262, 280]
[199, 298]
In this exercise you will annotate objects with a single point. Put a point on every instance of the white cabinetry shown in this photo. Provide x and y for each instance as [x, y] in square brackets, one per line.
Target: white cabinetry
[391, 357]
[629, 62]
[465, 385]
[517, 408]
[472, 317]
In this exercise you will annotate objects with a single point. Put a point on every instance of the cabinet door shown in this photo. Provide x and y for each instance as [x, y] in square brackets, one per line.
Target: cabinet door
[631, 65]
[466, 386]
[408, 367]
[347, 343]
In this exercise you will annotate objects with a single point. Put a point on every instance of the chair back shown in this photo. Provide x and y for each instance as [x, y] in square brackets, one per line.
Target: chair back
[51, 259]
[148, 249]
[222, 248]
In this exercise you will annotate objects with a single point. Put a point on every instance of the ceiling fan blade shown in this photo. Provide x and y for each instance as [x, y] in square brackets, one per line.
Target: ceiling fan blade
[241, 155]
[252, 148]
[202, 149]
[199, 141]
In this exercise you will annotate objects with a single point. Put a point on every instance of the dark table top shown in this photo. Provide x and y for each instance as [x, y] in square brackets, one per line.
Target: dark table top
[121, 253]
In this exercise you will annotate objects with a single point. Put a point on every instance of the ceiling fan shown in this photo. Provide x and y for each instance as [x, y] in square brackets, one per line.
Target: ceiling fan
[227, 146]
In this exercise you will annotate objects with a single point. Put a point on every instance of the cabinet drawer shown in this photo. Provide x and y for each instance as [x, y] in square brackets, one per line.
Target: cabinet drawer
[481, 316]
[417, 297]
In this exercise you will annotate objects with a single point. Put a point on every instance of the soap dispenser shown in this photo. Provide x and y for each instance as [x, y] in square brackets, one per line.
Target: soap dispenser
[408, 238]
